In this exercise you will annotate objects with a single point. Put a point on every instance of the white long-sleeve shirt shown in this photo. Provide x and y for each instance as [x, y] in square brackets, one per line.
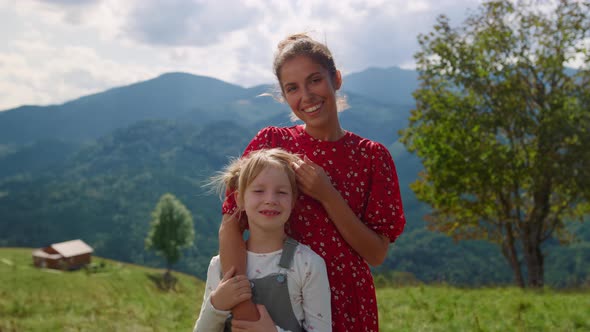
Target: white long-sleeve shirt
[307, 280]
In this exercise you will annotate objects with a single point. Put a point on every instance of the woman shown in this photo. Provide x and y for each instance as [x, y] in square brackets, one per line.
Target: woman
[350, 209]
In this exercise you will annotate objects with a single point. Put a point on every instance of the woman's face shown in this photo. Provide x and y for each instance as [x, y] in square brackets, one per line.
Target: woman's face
[311, 93]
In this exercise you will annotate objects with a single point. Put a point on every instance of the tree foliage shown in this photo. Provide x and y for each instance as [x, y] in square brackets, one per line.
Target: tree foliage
[171, 229]
[503, 127]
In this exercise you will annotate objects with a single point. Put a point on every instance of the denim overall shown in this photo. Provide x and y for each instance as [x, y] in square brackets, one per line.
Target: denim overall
[273, 293]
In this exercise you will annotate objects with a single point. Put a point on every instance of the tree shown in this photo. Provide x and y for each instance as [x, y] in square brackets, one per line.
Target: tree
[503, 127]
[171, 230]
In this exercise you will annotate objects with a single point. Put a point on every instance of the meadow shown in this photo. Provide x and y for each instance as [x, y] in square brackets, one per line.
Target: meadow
[444, 308]
[114, 296]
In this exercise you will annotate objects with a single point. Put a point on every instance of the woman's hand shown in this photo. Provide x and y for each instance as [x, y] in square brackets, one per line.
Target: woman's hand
[265, 323]
[231, 291]
[313, 180]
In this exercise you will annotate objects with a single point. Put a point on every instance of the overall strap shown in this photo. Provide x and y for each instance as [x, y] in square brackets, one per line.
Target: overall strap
[288, 253]
[272, 291]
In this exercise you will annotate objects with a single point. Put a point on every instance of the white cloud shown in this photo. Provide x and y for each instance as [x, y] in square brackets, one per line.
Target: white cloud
[59, 50]
[186, 22]
[53, 74]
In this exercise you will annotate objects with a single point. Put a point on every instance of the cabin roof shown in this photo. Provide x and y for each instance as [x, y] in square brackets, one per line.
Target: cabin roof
[72, 248]
[42, 254]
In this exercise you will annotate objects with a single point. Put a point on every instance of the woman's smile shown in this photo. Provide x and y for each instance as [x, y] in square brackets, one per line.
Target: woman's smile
[313, 108]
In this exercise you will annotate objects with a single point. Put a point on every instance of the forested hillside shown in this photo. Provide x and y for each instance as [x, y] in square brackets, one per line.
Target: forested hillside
[95, 167]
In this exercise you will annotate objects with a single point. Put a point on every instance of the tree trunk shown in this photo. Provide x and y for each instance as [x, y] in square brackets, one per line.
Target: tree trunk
[534, 262]
[168, 279]
[532, 234]
[509, 251]
[537, 277]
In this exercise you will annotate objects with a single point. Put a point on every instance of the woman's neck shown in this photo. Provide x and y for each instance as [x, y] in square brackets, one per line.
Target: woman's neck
[328, 135]
[260, 243]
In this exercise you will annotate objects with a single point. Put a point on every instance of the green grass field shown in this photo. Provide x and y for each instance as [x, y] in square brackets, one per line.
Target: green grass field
[119, 297]
[433, 308]
[125, 297]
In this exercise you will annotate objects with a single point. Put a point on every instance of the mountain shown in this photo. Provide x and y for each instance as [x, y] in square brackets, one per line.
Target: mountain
[177, 96]
[387, 85]
[105, 192]
[170, 96]
[35, 157]
[95, 167]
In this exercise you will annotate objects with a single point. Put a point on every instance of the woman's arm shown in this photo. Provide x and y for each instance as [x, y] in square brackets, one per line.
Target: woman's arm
[232, 251]
[366, 242]
[314, 182]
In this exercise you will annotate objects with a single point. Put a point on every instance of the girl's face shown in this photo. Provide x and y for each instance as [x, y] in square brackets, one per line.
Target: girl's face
[311, 93]
[268, 200]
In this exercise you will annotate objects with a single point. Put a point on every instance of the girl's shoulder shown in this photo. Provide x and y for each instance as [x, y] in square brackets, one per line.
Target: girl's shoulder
[305, 255]
[214, 263]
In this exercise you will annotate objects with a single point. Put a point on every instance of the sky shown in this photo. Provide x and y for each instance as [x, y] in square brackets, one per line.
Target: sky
[53, 51]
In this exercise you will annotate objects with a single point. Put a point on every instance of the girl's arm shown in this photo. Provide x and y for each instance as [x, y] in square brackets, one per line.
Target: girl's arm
[316, 296]
[314, 182]
[265, 323]
[232, 250]
[210, 319]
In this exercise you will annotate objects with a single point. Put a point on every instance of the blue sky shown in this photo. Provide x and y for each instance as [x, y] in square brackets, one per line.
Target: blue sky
[53, 51]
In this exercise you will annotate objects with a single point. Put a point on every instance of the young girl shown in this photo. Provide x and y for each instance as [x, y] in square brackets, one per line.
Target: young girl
[287, 280]
[350, 210]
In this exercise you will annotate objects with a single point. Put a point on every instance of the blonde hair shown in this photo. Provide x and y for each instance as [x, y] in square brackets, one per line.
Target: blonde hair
[240, 173]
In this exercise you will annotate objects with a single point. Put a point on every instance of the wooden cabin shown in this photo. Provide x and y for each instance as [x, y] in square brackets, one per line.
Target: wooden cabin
[69, 255]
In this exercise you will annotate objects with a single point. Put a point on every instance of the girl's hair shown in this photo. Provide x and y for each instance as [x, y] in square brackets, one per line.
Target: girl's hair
[240, 173]
[302, 44]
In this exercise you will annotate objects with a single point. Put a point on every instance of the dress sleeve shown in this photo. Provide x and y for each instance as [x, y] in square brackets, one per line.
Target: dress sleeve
[384, 213]
[263, 139]
[317, 310]
[211, 319]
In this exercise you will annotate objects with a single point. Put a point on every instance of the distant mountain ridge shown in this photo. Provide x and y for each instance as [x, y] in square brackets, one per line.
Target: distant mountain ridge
[168, 96]
[391, 85]
[174, 96]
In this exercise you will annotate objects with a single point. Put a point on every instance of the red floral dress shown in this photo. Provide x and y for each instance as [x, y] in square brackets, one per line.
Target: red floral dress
[364, 173]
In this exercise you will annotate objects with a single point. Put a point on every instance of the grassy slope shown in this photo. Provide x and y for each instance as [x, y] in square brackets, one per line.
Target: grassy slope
[120, 298]
[125, 298]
